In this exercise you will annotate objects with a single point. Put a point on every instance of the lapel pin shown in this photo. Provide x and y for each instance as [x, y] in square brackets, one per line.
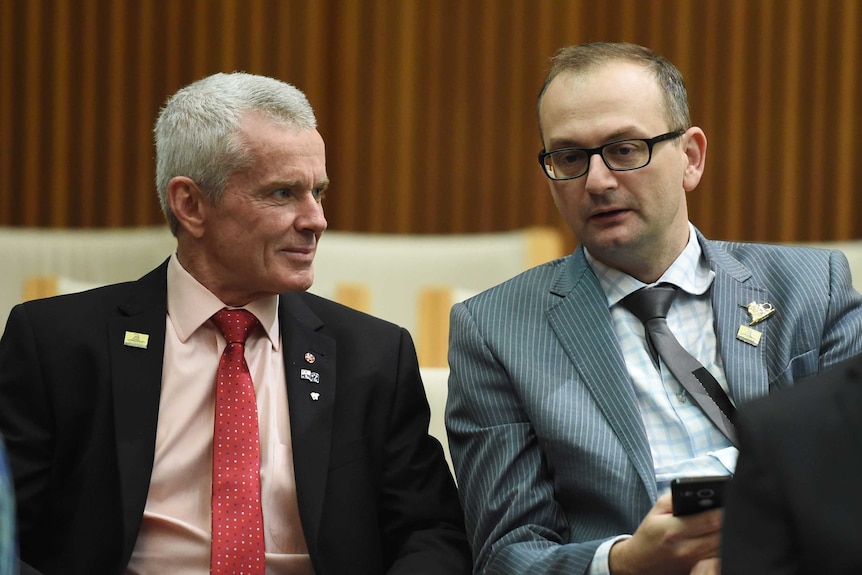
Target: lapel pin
[314, 396]
[759, 311]
[748, 335]
[135, 339]
[309, 357]
[311, 376]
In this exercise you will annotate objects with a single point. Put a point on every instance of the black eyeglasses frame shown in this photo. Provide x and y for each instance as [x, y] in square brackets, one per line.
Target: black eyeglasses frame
[650, 142]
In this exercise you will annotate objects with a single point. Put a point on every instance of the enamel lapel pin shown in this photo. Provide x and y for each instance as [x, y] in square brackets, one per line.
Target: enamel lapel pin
[310, 376]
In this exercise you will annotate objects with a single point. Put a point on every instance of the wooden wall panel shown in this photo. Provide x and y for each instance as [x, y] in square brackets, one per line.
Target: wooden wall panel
[428, 106]
[6, 81]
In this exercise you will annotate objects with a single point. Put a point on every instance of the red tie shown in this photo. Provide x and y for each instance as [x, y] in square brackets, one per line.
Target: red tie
[237, 517]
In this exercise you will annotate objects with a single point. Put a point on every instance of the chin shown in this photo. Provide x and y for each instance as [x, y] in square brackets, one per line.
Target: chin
[297, 282]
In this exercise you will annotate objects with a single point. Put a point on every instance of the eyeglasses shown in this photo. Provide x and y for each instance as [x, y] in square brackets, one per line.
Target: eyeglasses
[619, 156]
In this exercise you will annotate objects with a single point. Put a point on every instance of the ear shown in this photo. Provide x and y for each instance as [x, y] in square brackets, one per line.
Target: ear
[187, 203]
[694, 146]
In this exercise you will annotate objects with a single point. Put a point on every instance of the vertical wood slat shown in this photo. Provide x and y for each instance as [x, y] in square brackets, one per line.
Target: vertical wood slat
[848, 129]
[197, 35]
[427, 107]
[117, 115]
[229, 42]
[518, 110]
[815, 146]
[141, 137]
[87, 191]
[403, 174]
[431, 135]
[7, 133]
[59, 142]
[481, 147]
[763, 129]
[32, 151]
[383, 43]
[349, 140]
[736, 129]
[705, 199]
[175, 46]
[461, 179]
[316, 55]
[257, 21]
[790, 130]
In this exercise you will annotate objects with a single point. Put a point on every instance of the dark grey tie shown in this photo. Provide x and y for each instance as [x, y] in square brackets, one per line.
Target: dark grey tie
[650, 305]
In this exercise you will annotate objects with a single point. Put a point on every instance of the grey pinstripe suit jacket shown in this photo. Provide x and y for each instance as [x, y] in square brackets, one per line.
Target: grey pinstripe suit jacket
[549, 448]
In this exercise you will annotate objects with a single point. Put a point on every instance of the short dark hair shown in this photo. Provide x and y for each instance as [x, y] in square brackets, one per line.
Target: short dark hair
[585, 57]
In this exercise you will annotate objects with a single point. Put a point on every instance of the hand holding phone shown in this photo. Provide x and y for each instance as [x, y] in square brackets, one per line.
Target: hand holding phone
[696, 494]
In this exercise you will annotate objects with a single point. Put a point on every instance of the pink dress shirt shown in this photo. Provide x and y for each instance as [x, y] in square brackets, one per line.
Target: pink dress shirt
[175, 533]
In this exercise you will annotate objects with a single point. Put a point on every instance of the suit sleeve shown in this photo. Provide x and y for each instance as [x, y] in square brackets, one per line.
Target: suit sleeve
[756, 535]
[421, 518]
[8, 555]
[844, 314]
[515, 523]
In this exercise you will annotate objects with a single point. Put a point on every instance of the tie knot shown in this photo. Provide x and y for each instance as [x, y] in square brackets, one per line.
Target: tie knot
[650, 302]
[235, 324]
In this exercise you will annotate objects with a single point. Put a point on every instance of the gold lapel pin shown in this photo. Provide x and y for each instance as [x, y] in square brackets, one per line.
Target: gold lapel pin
[749, 335]
[135, 339]
[759, 311]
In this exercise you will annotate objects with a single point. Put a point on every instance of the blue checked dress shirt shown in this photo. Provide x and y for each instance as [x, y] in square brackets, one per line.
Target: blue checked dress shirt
[683, 441]
[682, 438]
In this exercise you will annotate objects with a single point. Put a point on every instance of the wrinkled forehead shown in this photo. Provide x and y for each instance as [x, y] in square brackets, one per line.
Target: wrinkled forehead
[269, 146]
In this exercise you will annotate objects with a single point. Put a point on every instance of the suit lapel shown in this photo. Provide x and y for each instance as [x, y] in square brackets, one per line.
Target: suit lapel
[603, 369]
[136, 376]
[583, 325]
[309, 360]
[732, 290]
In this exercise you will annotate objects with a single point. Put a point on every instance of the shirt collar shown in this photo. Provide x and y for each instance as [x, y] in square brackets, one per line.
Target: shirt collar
[689, 272]
[190, 305]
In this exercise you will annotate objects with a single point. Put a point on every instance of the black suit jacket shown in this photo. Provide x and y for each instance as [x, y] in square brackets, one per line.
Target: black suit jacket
[795, 503]
[79, 410]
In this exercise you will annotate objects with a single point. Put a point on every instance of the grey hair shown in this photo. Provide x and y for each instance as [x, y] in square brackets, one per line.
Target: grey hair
[197, 131]
[586, 57]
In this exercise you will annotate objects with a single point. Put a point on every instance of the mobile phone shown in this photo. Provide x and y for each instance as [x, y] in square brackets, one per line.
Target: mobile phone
[696, 494]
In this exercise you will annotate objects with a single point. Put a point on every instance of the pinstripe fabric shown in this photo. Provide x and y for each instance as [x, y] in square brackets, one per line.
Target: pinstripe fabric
[548, 446]
[684, 441]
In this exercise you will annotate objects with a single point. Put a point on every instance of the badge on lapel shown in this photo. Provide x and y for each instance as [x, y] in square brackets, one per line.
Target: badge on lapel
[310, 376]
[757, 311]
[135, 339]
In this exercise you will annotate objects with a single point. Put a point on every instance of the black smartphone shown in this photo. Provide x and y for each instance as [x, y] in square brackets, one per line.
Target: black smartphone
[696, 494]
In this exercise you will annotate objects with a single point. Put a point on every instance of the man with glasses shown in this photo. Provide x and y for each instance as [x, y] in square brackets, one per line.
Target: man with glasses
[566, 422]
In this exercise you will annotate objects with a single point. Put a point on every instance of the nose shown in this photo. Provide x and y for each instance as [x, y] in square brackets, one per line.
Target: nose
[310, 217]
[599, 178]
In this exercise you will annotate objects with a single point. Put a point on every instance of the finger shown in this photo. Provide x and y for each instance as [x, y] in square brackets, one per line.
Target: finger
[704, 547]
[707, 567]
[663, 504]
[703, 523]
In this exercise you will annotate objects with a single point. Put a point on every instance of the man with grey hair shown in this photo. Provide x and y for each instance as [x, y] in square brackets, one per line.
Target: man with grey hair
[213, 416]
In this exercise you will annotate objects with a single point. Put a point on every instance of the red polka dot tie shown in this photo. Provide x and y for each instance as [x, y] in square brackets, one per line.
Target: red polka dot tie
[237, 517]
